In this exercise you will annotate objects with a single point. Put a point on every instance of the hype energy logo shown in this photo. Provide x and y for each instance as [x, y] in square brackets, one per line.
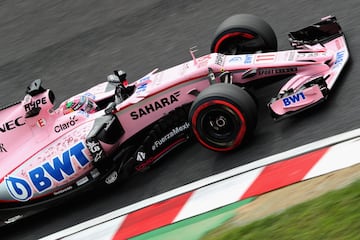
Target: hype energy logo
[42, 177]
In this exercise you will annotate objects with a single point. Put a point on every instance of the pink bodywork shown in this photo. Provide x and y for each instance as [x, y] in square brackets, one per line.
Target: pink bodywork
[31, 143]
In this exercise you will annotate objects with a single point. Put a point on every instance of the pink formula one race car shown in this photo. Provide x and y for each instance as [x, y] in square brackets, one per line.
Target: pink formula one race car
[115, 129]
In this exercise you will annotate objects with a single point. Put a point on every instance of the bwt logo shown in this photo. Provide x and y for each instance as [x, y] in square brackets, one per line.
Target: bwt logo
[42, 177]
[293, 99]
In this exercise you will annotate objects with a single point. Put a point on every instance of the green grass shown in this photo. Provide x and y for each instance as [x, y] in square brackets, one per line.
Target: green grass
[335, 215]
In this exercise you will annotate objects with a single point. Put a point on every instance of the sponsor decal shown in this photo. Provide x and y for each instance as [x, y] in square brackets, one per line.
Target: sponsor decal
[63, 190]
[293, 99]
[42, 177]
[265, 58]
[82, 181]
[291, 56]
[145, 79]
[141, 84]
[95, 173]
[111, 178]
[140, 156]
[235, 59]
[18, 188]
[339, 58]
[248, 59]
[12, 124]
[174, 132]
[63, 126]
[2, 148]
[35, 104]
[13, 219]
[95, 149]
[272, 71]
[310, 54]
[220, 59]
[154, 106]
[141, 88]
[41, 122]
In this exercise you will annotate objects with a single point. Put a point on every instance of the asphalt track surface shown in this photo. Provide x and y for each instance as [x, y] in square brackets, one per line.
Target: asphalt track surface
[72, 45]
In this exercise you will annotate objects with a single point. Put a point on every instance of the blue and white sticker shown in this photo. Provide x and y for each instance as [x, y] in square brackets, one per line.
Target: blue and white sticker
[235, 59]
[43, 177]
[293, 99]
[339, 61]
[248, 59]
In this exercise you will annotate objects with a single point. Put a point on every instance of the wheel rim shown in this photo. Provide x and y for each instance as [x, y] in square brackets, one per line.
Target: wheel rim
[219, 125]
[239, 43]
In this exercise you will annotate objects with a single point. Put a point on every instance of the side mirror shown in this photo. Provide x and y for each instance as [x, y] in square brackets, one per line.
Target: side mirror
[112, 78]
[35, 88]
[118, 77]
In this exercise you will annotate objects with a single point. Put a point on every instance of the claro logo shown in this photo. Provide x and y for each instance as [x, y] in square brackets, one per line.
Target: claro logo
[12, 124]
[63, 126]
[154, 106]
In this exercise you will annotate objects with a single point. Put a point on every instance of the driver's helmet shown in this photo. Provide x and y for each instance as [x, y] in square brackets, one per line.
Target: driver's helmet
[82, 103]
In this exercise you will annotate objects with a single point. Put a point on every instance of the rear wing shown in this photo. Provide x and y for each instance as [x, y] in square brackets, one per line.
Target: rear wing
[319, 33]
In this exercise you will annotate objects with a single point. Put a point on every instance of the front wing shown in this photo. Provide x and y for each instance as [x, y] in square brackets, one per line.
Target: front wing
[325, 35]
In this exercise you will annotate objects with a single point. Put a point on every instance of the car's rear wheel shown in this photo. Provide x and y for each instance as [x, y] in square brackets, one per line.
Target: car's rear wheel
[244, 33]
[222, 116]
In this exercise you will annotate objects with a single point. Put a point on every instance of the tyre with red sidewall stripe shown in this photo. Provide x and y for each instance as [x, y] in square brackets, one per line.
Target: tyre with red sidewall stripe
[244, 33]
[222, 116]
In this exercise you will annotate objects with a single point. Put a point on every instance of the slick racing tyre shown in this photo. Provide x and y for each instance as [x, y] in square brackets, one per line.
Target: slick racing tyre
[222, 116]
[244, 33]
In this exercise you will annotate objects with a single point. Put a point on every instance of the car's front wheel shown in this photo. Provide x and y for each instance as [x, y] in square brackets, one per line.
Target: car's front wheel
[222, 116]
